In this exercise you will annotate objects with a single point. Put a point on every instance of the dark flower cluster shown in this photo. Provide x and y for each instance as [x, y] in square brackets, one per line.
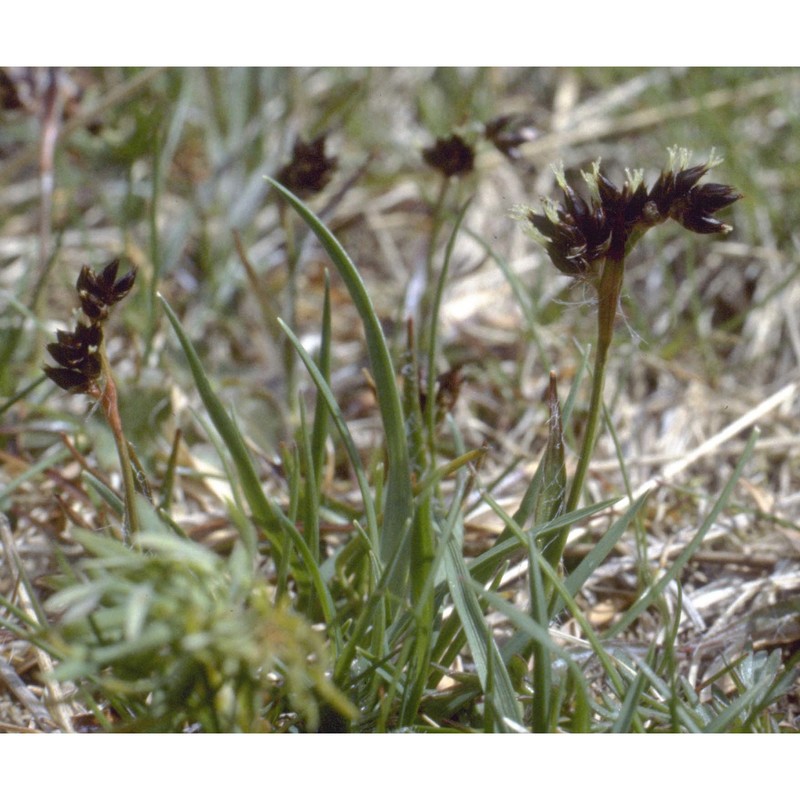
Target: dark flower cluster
[580, 234]
[310, 170]
[77, 351]
[99, 291]
[451, 156]
[508, 133]
[677, 195]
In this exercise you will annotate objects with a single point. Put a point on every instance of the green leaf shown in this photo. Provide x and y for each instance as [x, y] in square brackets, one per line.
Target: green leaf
[398, 505]
[541, 636]
[260, 506]
[341, 426]
[482, 645]
[575, 580]
[680, 562]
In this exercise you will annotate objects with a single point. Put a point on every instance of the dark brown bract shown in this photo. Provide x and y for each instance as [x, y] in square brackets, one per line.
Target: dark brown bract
[695, 211]
[76, 352]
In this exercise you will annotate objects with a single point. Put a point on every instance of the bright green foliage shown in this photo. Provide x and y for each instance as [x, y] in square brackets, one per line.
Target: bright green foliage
[176, 635]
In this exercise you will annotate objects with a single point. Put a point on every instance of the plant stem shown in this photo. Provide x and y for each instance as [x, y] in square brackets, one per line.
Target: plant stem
[429, 291]
[109, 402]
[289, 355]
[608, 293]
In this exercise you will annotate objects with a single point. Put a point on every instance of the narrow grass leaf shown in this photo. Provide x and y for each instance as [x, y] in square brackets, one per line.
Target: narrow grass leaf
[786, 676]
[478, 634]
[433, 331]
[628, 712]
[398, 507]
[311, 487]
[753, 694]
[548, 506]
[433, 478]
[530, 499]
[680, 562]
[43, 464]
[534, 631]
[341, 426]
[20, 394]
[517, 643]
[16, 612]
[108, 495]
[550, 502]
[319, 432]
[575, 580]
[261, 507]
[482, 567]
[684, 716]
[323, 595]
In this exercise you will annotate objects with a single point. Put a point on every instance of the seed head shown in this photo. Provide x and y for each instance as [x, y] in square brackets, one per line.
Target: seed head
[580, 234]
[310, 170]
[451, 156]
[696, 209]
[99, 291]
[77, 351]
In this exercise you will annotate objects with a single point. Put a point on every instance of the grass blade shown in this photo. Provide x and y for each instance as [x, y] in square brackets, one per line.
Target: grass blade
[341, 426]
[478, 634]
[398, 504]
[598, 553]
[541, 636]
[260, 506]
[320, 427]
[680, 562]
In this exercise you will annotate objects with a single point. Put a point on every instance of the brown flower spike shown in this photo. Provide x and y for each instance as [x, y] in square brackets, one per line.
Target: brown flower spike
[310, 170]
[77, 352]
[508, 132]
[590, 238]
[84, 369]
[99, 291]
[579, 234]
[451, 156]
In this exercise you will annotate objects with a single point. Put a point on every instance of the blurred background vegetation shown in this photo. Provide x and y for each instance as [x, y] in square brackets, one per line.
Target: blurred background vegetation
[165, 168]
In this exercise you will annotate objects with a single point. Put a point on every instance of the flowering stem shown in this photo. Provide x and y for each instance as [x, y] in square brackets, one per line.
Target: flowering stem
[108, 400]
[426, 301]
[608, 293]
[289, 354]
